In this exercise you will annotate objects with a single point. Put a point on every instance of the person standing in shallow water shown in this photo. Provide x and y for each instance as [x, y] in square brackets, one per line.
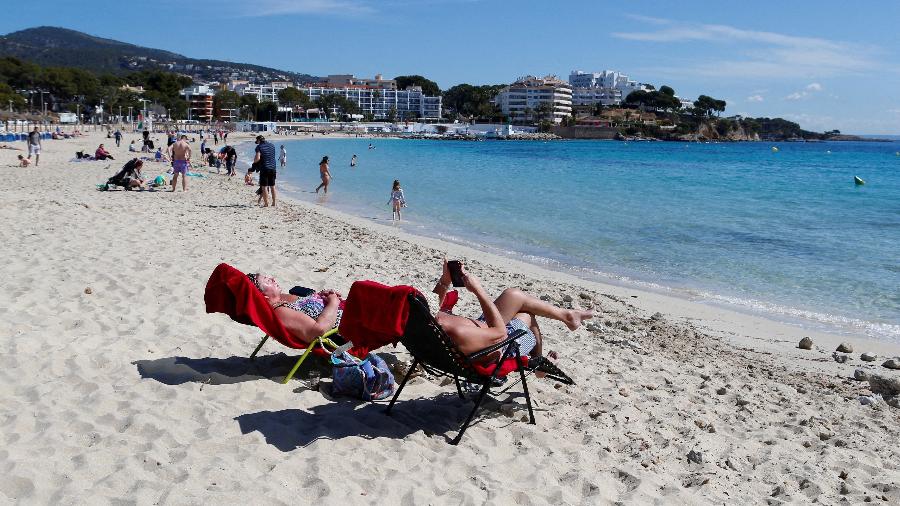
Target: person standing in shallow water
[325, 174]
[397, 200]
[283, 156]
[353, 161]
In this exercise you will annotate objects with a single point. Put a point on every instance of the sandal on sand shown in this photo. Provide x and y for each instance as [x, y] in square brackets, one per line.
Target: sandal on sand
[546, 366]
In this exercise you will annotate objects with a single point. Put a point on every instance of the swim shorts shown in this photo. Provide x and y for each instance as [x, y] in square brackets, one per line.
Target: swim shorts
[267, 177]
[180, 166]
[527, 341]
[34, 149]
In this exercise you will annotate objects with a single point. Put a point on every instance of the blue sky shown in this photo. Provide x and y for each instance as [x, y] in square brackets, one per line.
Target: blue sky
[825, 64]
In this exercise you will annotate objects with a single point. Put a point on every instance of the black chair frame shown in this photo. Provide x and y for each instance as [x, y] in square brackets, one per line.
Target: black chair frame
[432, 348]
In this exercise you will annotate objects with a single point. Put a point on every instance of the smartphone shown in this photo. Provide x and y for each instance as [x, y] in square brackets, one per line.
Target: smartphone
[455, 268]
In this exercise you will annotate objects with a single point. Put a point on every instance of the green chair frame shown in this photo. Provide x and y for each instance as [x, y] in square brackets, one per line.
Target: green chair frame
[319, 341]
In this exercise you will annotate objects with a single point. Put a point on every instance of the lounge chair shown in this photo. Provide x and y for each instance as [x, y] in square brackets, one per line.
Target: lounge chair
[230, 291]
[432, 348]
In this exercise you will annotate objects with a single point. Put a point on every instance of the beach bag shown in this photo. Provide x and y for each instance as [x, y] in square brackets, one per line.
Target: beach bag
[369, 379]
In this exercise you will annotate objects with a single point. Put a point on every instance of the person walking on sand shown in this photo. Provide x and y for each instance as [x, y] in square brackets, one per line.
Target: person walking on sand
[264, 161]
[397, 200]
[325, 174]
[34, 146]
[181, 160]
[230, 160]
[283, 157]
[118, 136]
[216, 138]
[353, 161]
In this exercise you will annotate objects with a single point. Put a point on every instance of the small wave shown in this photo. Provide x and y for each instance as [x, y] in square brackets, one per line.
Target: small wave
[877, 330]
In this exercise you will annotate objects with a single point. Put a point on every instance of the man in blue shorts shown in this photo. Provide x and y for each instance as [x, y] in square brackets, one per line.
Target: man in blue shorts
[181, 161]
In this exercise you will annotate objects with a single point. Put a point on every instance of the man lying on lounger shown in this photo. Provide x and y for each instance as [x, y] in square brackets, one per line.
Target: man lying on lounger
[512, 310]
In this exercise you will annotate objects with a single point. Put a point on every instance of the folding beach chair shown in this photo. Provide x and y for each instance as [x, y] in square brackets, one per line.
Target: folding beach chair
[230, 291]
[432, 348]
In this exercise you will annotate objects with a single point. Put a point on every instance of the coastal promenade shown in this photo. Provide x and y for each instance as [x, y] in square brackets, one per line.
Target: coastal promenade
[117, 386]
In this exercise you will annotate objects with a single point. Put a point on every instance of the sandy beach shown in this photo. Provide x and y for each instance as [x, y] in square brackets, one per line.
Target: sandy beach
[116, 387]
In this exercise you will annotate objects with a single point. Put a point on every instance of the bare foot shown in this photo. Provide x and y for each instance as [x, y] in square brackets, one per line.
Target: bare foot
[575, 317]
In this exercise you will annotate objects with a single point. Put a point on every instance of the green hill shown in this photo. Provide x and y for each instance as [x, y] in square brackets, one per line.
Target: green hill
[61, 47]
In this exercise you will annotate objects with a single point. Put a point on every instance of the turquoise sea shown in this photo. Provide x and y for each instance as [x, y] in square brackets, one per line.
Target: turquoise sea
[784, 233]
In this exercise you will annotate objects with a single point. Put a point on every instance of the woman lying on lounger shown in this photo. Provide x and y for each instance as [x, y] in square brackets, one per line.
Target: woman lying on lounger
[305, 317]
[512, 310]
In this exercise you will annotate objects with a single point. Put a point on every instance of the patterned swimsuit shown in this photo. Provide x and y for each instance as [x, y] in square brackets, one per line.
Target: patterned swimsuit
[313, 306]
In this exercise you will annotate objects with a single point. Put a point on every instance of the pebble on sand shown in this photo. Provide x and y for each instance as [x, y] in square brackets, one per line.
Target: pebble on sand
[884, 385]
[845, 348]
[893, 363]
[868, 357]
[805, 344]
[88, 290]
[841, 359]
[860, 375]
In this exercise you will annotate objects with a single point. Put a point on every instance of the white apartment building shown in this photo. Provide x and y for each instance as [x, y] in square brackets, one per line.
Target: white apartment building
[407, 104]
[349, 80]
[607, 88]
[263, 92]
[532, 99]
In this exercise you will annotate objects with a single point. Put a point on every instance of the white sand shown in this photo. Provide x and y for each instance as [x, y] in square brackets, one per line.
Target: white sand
[132, 394]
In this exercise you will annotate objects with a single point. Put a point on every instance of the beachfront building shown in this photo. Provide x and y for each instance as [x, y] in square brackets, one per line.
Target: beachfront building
[200, 101]
[606, 88]
[263, 92]
[533, 99]
[349, 80]
[380, 98]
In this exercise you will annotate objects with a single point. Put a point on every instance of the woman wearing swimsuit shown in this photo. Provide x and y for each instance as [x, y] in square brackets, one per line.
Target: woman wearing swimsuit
[324, 173]
[512, 310]
[304, 317]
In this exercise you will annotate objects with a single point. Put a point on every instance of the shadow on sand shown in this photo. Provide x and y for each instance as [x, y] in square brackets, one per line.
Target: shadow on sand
[289, 429]
[221, 371]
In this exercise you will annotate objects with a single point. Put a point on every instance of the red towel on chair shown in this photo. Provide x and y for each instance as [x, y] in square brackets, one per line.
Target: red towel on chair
[375, 314]
[230, 291]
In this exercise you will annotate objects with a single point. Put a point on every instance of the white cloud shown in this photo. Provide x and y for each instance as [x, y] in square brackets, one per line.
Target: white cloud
[334, 7]
[755, 98]
[259, 8]
[805, 92]
[762, 54]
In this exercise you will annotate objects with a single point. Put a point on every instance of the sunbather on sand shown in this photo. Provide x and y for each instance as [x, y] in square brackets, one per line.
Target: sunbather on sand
[305, 317]
[512, 310]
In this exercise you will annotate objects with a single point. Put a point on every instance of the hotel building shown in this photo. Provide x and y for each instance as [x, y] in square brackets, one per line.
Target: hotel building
[376, 96]
[531, 99]
[606, 88]
[263, 92]
[200, 102]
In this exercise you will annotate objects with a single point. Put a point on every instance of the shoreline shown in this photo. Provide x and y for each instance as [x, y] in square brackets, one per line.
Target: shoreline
[136, 393]
[808, 320]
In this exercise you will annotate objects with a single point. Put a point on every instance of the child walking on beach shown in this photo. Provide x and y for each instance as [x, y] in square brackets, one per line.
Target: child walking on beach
[397, 200]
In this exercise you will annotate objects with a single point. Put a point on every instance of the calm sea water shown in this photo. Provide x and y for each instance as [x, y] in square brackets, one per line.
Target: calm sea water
[784, 233]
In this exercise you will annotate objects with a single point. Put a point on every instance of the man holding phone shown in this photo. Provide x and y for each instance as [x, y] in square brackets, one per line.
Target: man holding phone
[513, 310]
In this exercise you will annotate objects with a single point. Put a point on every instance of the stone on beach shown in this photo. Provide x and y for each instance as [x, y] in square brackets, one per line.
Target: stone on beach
[805, 344]
[884, 385]
[841, 359]
[868, 357]
[893, 363]
[845, 348]
[860, 375]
